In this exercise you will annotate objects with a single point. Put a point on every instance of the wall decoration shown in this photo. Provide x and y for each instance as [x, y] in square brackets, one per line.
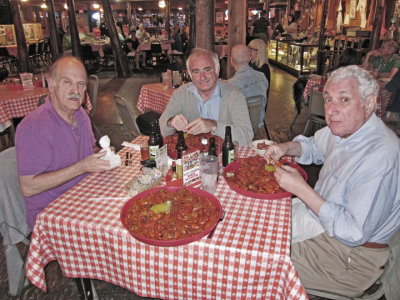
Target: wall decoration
[353, 5]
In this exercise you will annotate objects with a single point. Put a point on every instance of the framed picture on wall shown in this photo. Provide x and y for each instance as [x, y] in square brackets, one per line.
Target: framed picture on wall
[219, 17]
[353, 13]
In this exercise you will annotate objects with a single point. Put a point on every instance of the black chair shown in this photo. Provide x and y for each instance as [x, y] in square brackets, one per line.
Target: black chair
[8, 61]
[32, 54]
[298, 89]
[90, 58]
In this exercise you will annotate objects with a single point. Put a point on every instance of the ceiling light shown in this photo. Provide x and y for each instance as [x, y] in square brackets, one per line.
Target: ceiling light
[96, 6]
[161, 4]
[65, 6]
[140, 9]
[44, 6]
[180, 8]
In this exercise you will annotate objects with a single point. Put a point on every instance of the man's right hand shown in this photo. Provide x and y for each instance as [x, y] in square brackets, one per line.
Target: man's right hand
[179, 122]
[274, 153]
[93, 163]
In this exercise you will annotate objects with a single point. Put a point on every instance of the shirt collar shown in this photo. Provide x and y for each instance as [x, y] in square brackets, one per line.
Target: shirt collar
[366, 129]
[49, 107]
[244, 69]
[217, 92]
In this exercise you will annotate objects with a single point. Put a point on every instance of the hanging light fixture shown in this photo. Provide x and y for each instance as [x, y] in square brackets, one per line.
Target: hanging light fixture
[96, 6]
[44, 6]
[66, 6]
[161, 4]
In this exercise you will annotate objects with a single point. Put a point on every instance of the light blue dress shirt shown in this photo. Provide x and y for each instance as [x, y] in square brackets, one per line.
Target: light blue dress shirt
[359, 181]
[251, 83]
[210, 108]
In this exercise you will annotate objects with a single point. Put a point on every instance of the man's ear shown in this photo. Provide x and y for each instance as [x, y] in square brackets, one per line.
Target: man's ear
[370, 103]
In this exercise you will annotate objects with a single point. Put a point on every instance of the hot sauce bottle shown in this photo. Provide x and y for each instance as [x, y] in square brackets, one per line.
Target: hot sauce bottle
[180, 145]
[228, 153]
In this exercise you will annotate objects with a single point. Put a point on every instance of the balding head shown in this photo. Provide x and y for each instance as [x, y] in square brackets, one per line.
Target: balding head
[240, 56]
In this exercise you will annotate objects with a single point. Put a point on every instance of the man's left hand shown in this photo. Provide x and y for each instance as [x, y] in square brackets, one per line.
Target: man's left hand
[289, 179]
[201, 125]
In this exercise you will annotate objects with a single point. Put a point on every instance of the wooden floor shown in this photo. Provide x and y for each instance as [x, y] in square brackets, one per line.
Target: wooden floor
[280, 113]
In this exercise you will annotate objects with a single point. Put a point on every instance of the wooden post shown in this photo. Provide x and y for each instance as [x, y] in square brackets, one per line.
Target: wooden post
[129, 14]
[89, 16]
[376, 25]
[55, 43]
[236, 28]
[167, 18]
[205, 24]
[192, 25]
[37, 14]
[321, 41]
[23, 61]
[120, 59]
[75, 41]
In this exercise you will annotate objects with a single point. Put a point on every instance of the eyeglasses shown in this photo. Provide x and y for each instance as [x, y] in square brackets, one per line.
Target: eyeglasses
[253, 49]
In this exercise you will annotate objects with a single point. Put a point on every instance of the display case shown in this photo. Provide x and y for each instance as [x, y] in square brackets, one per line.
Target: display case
[296, 58]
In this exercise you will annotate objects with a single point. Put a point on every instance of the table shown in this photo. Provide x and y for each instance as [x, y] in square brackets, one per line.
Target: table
[154, 97]
[313, 80]
[248, 256]
[17, 104]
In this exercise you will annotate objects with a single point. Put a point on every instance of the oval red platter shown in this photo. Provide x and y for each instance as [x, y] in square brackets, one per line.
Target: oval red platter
[179, 242]
[234, 165]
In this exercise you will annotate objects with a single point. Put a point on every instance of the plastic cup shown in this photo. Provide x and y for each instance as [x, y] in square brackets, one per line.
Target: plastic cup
[165, 80]
[144, 151]
[209, 173]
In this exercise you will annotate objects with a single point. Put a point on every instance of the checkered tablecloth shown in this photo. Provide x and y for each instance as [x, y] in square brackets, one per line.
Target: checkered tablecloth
[18, 104]
[154, 97]
[310, 83]
[247, 258]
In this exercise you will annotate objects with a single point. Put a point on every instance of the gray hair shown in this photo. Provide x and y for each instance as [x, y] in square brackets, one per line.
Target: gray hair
[198, 52]
[367, 85]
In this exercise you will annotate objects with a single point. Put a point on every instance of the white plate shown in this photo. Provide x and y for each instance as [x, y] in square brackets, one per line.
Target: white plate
[254, 144]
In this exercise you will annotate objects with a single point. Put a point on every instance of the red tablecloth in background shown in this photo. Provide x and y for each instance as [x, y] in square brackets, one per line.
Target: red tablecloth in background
[248, 257]
[18, 104]
[154, 97]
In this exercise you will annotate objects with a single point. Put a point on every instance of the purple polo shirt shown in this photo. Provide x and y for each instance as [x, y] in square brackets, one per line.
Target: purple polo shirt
[44, 142]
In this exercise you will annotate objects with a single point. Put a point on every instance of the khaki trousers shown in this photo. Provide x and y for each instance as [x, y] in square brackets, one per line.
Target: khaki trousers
[325, 264]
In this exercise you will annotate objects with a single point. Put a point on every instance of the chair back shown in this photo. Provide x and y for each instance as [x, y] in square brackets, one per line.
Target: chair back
[32, 50]
[92, 89]
[317, 103]
[255, 105]
[41, 99]
[14, 228]
[127, 116]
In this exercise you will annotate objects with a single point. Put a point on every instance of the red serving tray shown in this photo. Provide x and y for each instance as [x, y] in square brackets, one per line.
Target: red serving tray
[234, 165]
[171, 243]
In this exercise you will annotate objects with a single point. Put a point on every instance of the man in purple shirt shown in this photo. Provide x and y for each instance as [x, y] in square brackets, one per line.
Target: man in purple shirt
[55, 143]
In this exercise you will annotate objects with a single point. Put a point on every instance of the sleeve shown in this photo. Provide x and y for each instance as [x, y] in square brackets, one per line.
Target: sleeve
[34, 153]
[242, 130]
[174, 107]
[311, 153]
[368, 201]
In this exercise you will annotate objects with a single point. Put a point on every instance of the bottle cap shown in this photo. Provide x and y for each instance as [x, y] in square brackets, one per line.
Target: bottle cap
[204, 141]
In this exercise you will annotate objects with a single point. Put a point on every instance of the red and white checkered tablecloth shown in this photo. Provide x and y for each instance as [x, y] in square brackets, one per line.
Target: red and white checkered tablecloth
[310, 83]
[154, 97]
[247, 258]
[17, 104]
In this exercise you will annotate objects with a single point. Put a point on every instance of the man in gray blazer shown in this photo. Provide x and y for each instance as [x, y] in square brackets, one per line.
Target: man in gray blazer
[207, 104]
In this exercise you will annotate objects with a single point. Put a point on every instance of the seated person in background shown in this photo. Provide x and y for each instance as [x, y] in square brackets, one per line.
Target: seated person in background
[246, 79]
[291, 27]
[383, 62]
[55, 143]
[393, 86]
[354, 208]
[348, 57]
[143, 37]
[131, 43]
[259, 59]
[207, 104]
[176, 43]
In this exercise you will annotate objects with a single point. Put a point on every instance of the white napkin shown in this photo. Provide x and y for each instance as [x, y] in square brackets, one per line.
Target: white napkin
[115, 160]
[130, 145]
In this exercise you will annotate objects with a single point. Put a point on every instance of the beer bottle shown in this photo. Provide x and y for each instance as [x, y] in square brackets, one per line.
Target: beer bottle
[227, 148]
[204, 150]
[212, 150]
[154, 141]
[159, 136]
[180, 145]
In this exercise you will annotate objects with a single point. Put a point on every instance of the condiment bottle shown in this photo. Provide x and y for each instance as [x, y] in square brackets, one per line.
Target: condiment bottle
[212, 150]
[180, 145]
[154, 141]
[204, 143]
[174, 175]
[228, 153]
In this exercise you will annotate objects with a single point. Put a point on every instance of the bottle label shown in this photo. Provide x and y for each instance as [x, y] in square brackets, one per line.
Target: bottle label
[231, 156]
[153, 151]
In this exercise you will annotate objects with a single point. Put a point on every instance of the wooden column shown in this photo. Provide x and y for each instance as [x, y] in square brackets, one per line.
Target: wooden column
[167, 18]
[321, 41]
[53, 33]
[192, 24]
[129, 14]
[205, 24]
[37, 14]
[23, 61]
[236, 28]
[120, 59]
[89, 16]
[73, 27]
[376, 25]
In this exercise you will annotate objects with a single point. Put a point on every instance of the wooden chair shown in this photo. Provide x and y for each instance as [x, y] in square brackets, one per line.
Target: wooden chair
[127, 116]
[316, 111]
